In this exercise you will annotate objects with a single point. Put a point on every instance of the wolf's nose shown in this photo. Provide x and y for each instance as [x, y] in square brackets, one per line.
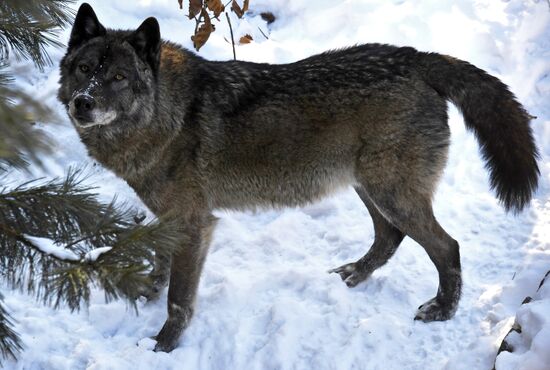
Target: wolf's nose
[84, 103]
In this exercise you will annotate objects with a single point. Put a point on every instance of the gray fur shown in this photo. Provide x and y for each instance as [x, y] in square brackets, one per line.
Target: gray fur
[191, 136]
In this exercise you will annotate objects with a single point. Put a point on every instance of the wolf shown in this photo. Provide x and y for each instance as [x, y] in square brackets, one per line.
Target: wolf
[191, 136]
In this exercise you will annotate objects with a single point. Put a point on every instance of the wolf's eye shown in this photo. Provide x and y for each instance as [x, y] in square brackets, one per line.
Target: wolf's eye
[84, 68]
[119, 77]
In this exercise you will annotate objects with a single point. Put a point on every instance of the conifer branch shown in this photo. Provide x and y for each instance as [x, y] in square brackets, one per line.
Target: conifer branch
[67, 213]
[28, 27]
[10, 343]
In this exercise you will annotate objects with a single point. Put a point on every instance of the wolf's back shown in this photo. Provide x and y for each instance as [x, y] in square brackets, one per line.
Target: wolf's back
[498, 120]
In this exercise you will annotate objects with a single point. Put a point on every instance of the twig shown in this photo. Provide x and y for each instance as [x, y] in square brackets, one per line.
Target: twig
[267, 38]
[198, 21]
[232, 39]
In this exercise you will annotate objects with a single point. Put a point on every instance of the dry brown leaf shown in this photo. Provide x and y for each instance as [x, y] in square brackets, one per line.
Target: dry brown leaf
[268, 17]
[246, 39]
[215, 6]
[235, 7]
[203, 32]
[195, 7]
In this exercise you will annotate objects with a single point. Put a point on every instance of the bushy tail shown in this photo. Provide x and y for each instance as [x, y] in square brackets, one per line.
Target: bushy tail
[498, 120]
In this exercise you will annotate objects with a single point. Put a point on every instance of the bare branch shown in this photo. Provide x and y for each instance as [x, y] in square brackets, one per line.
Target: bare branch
[232, 39]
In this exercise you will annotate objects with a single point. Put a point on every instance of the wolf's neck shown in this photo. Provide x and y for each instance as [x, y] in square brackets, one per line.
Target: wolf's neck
[130, 154]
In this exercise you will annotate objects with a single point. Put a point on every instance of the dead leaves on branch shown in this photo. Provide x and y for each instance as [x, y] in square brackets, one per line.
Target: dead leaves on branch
[238, 10]
[215, 6]
[195, 8]
[203, 11]
[203, 32]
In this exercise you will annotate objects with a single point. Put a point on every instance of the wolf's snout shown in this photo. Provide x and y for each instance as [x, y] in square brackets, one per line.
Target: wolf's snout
[82, 108]
[84, 104]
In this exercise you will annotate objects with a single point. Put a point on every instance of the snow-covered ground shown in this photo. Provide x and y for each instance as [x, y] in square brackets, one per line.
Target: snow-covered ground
[266, 300]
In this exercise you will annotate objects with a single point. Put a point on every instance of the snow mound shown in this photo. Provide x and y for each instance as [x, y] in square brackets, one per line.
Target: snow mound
[529, 341]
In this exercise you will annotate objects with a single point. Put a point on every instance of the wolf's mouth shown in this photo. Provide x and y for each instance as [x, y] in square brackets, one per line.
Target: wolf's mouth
[91, 119]
[87, 125]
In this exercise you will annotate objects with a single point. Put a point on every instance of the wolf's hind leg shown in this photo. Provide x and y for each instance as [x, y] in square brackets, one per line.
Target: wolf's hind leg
[386, 240]
[412, 213]
[444, 253]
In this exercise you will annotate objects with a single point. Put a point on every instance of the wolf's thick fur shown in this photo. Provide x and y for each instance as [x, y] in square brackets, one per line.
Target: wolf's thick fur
[190, 136]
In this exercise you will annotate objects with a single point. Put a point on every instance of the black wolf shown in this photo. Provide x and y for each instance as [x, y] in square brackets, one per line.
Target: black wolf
[191, 135]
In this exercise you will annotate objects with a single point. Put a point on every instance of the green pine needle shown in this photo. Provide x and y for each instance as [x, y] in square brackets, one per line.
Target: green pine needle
[10, 343]
[28, 27]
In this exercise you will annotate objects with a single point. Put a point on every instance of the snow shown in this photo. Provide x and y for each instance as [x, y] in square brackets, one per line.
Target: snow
[94, 254]
[265, 299]
[48, 246]
[531, 346]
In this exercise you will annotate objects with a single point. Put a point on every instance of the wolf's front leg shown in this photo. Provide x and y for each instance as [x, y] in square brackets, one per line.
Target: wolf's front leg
[158, 278]
[185, 273]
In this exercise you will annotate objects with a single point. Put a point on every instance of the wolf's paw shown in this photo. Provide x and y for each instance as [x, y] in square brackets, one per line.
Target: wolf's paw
[351, 273]
[165, 346]
[168, 337]
[153, 291]
[178, 319]
[434, 310]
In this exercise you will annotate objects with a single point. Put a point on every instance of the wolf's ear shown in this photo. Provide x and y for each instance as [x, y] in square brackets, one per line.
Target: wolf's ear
[146, 41]
[86, 26]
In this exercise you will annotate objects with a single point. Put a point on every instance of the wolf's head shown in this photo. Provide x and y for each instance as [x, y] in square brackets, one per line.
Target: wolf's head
[108, 78]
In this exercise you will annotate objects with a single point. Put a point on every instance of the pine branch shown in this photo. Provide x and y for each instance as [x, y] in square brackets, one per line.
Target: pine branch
[28, 27]
[10, 343]
[57, 208]
[19, 140]
[68, 214]
[5, 77]
[28, 39]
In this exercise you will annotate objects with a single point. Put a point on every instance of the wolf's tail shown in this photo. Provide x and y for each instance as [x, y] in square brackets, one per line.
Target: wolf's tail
[498, 120]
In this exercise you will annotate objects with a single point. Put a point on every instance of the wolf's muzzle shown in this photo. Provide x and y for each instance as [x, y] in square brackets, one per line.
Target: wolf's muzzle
[84, 104]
